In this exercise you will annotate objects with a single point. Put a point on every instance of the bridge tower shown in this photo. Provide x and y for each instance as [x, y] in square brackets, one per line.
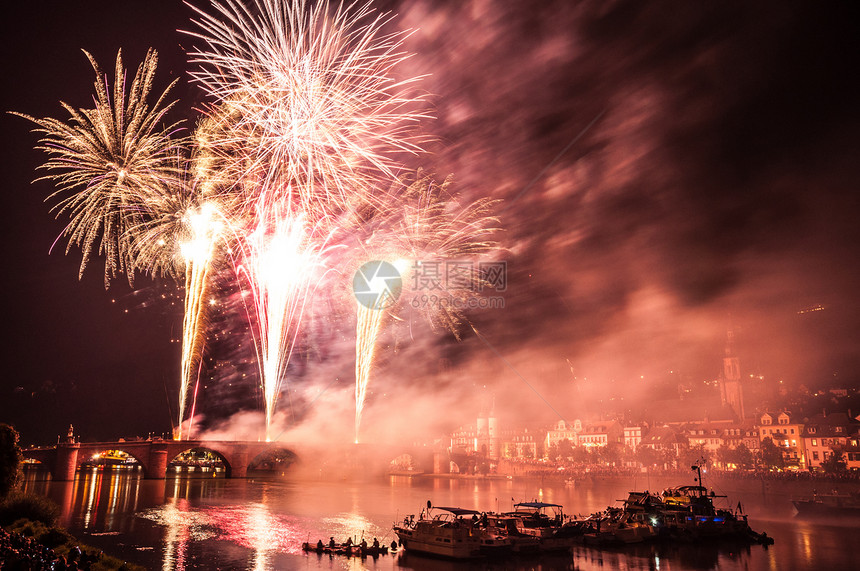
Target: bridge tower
[67, 458]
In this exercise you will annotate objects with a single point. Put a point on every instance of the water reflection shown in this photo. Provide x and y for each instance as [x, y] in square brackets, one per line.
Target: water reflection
[181, 524]
[666, 557]
[200, 523]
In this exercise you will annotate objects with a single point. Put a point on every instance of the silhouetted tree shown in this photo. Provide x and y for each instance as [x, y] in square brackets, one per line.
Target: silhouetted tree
[647, 456]
[835, 462]
[726, 456]
[693, 454]
[10, 459]
[744, 457]
[565, 449]
[582, 454]
[770, 454]
[611, 453]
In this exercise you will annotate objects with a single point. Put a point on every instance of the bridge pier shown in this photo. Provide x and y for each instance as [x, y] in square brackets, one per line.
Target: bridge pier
[239, 463]
[66, 462]
[440, 463]
[157, 465]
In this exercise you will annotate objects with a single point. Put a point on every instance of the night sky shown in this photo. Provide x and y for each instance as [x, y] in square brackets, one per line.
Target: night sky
[667, 170]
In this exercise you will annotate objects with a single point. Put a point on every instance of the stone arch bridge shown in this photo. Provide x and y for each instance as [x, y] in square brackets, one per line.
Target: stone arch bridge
[153, 455]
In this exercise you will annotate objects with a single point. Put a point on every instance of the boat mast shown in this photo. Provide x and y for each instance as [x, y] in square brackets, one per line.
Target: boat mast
[697, 467]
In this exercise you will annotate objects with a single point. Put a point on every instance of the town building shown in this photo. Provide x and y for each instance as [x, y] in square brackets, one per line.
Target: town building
[601, 433]
[825, 433]
[522, 445]
[665, 440]
[563, 430]
[632, 437]
[706, 434]
[786, 432]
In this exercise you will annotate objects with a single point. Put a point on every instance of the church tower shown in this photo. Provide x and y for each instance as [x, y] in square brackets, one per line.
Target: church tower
[731, 391]
[493, 431]
[482, 442]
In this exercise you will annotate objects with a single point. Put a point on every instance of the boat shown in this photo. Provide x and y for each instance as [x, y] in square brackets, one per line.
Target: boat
[501, 535]
[547, 523]
[830, 505]
[448, 532]
[349, 550]
[687, 513]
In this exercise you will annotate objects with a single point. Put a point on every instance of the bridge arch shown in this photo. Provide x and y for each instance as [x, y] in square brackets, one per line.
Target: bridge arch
[140, 456]
[221, 457]
[43, 457]
[404, 462]
[273, 459]
[92, 453]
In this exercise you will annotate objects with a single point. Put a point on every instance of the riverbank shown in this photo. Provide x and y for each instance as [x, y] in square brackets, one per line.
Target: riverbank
[32, 545]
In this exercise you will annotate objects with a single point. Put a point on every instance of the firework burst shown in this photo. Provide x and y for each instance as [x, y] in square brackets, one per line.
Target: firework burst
[433, 225]
[109, 164]
[280, 256]
[310, 94]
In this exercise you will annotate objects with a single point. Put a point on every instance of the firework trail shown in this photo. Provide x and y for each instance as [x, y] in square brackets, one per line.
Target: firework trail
[367, 328]
[179, 239]
[428, 226]
[279, 259]
[310, 95]
[112, 161]
[186, 224]
[205, 230]
[377, 285]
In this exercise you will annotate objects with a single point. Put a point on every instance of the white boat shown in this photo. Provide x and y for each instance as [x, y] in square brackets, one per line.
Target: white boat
[546, 522]
[443, 532]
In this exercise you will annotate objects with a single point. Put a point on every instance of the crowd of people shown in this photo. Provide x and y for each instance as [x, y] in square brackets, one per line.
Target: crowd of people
[21, 553]
[579, 472]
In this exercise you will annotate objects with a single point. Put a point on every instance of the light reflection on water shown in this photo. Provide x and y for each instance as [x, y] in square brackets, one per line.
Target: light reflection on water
[197, 523]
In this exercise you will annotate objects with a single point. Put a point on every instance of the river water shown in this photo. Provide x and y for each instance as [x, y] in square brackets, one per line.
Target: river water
[204, 521]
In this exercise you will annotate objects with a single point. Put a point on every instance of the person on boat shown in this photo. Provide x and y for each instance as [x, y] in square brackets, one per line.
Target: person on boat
[331, 542]
[320, 545]
[363, 545]
[375, 543]
[348, 542]
[394, 545]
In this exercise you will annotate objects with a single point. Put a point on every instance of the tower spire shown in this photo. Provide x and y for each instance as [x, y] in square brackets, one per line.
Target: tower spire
[731, 391]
